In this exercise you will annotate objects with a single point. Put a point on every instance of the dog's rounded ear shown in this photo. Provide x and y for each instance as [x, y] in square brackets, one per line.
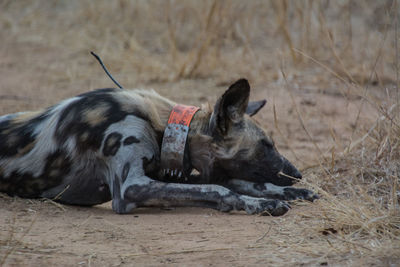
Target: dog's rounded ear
[230, 107]
[254, 106]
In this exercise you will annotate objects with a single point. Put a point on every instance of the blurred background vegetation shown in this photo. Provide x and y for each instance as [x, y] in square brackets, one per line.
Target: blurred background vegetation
[170, 40]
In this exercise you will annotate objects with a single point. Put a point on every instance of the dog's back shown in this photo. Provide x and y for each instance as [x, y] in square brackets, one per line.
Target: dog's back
[62, 149]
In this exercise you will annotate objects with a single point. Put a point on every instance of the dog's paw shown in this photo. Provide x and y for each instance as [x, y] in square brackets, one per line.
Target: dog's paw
[292, 193]
[122, 206]
[263, 206]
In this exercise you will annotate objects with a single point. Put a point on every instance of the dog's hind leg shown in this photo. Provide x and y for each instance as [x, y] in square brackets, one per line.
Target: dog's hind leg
[269, 190]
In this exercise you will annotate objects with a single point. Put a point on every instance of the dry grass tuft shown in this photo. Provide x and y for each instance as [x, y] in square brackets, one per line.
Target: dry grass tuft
[360, 196]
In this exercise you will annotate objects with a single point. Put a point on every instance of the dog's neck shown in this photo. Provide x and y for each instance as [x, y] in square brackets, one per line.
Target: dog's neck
[199, 143]
[198, 150]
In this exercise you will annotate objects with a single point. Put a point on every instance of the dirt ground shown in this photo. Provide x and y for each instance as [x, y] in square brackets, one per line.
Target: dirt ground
[43, 233]
[315, 120]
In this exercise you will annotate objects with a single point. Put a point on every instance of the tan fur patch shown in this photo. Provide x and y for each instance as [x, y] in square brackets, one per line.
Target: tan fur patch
[84, 136]
[25, 149]
[57, 162]
[156, 107]
[25, 116]
[111, 141]
[9, 129]
[54, 173]
[97, 115]
[20, 119]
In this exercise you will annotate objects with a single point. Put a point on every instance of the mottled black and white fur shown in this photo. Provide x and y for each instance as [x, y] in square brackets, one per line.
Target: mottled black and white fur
[105, 145]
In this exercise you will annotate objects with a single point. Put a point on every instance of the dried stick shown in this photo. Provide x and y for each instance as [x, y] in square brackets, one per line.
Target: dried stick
[105, 69]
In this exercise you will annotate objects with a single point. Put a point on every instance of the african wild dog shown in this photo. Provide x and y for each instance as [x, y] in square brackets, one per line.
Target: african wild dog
[105, 145]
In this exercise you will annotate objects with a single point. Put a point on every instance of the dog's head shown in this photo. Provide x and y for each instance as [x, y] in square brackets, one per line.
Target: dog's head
[241, 148]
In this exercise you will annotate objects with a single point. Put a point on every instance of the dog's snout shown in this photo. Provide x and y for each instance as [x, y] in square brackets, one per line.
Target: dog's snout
[289, 174]
[297, 174]
[291, 171]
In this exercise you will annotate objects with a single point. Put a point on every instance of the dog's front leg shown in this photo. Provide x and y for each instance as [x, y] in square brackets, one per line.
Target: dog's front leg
[144, 192]
[268, 190]
[130, 151]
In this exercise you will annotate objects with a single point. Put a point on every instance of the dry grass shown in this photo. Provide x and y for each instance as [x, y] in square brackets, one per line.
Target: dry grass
[168, 40]
[347, 49]
[360, 194]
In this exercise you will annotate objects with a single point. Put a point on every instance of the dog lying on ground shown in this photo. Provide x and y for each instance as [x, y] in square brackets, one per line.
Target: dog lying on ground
[108, 144]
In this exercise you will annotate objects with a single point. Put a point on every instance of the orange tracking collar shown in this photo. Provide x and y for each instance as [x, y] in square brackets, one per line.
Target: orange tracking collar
[174, 141]
[181, 114]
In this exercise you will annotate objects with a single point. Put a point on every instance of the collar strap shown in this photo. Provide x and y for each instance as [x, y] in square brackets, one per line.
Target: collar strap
[174, 141]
